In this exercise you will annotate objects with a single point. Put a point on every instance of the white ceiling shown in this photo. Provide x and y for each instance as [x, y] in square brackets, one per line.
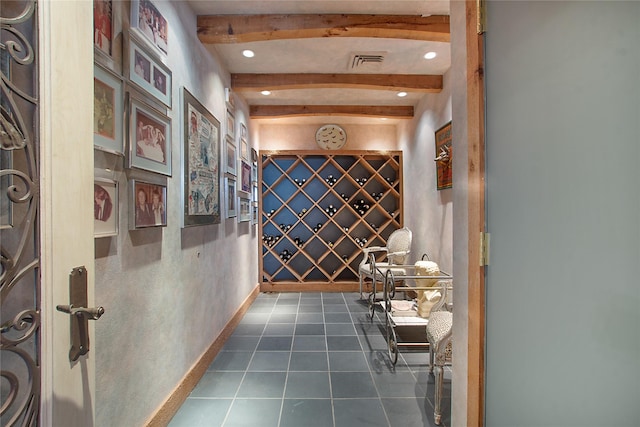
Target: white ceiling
[330, 55]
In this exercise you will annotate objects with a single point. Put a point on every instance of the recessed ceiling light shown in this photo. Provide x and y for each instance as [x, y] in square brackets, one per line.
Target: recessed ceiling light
[430, 55]
[266, 92]
[402, 94]
[248, 53]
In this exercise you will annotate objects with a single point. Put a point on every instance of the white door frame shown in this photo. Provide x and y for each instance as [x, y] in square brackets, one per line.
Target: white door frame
[65, 52]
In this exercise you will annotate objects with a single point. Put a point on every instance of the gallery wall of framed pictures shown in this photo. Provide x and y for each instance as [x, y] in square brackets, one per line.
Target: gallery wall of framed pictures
[132, 116]
[240, 167]
[133, 128]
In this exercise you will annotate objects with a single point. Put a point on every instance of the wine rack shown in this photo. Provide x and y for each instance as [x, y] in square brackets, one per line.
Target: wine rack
[319, 210]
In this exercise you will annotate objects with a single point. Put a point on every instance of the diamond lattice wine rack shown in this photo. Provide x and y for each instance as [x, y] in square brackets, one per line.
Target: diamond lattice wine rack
[318, 212]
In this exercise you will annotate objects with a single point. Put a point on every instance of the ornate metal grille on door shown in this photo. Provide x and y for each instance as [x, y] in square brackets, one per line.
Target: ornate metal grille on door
[19, 215]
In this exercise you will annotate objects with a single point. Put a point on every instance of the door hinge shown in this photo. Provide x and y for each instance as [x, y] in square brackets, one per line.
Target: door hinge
[481, 17]
[484, 248]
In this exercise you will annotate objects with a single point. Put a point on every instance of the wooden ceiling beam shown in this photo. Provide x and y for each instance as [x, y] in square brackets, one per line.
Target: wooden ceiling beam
[275, 111]
[214, 29]
[396, 82]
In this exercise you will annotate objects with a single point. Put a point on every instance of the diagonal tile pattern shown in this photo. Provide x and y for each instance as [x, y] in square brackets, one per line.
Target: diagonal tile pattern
[313, 359]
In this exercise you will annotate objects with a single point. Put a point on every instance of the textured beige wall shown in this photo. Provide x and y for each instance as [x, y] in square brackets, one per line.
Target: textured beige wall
[428, 212]
[167, 292]
[302, 136]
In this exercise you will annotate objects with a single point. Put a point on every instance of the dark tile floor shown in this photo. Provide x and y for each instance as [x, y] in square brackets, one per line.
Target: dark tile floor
[313, 359]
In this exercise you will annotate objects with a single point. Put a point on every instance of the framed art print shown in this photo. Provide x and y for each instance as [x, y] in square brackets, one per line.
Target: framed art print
[443, 158]
[254, 213]
[200, 163]
[147, 72]
[231, 124]
[148, 21]
[231, 156]
[254, 167]
[244, 209]
[107, 114]
[245, 176]
[105, 207]
[149, 205]
[244, 148]
[103, 26]
[230, 197]
[149, 138]
[254, 192]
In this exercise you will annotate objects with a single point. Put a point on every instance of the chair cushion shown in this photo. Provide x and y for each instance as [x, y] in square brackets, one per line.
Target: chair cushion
[383, 267]
[440, 323]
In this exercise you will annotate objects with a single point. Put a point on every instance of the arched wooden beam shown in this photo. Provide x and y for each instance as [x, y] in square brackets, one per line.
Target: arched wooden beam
[273, 111]
[214, 29]
[404, 82]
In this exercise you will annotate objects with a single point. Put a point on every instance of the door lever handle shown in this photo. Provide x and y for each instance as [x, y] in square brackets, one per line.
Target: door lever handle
[79, 313]
[92, 313]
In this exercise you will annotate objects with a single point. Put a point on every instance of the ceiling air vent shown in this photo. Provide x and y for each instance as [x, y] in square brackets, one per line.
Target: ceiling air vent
[366, 60]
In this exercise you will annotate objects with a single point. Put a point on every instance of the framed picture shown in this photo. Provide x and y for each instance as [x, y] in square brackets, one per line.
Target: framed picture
[228, 97]
[244, 209]
[147, 72]
[254, 192]
[149, 205]
[244, 147]
[105, 207]
[245, 176]
[231, 124]
[149, 138]
[201, 164]
[108, 103]
[254, 166]
[230, 197]
[243, 131]
[231, 157]
[103, 26]
[443, 158]
[254, 213]
[148, 21]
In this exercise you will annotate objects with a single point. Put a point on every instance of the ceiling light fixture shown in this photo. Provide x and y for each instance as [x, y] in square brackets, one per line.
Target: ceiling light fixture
[430, 55]
[248, 53]
[266, 92]
[402, 94]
